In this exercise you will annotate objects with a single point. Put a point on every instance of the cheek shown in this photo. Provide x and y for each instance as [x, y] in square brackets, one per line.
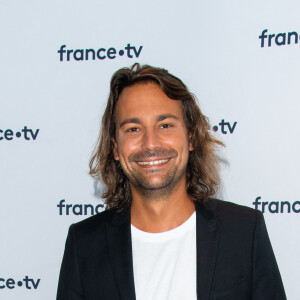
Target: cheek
[126, 146]
[178, 141]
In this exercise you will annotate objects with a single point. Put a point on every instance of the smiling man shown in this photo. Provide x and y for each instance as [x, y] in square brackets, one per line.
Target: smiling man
[163, 237]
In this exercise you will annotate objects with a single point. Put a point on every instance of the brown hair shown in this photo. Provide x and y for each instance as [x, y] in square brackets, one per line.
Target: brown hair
[202, 171]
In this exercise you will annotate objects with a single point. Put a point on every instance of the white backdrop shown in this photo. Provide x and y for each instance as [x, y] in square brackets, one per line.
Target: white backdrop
[51, 109]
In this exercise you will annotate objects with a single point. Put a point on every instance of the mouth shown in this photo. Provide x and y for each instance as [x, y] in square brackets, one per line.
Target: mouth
[153, 162]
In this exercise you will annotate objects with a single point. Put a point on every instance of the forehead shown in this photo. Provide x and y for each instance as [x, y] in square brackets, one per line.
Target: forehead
[145, 101]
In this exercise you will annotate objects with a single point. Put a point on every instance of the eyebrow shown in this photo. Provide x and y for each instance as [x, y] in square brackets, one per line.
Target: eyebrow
[131, 120]
[166, 116]
[138, 121]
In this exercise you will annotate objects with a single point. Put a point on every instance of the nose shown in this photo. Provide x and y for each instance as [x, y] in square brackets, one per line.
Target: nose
[151, 140]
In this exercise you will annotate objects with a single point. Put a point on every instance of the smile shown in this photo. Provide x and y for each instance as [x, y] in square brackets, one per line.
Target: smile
[153, 163]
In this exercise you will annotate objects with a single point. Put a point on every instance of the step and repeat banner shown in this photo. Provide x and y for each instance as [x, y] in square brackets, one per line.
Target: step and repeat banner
[240, 58]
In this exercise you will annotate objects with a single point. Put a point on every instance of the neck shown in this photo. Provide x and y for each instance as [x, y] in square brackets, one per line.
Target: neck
[158, 214]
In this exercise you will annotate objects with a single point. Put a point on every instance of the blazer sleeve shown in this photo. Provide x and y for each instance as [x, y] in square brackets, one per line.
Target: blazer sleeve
[70, 286]
[266, 281]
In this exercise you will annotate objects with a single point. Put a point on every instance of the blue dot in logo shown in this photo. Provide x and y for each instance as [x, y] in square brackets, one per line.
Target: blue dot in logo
[215, 128]
[18, 134]
[20, 283]
[121, 52]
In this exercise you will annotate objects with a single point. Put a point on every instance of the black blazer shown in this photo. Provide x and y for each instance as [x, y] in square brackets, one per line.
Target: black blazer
[235, 259]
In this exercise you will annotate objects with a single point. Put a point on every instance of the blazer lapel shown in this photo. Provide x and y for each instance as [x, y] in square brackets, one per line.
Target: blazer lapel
[207, 246]
[120, 253]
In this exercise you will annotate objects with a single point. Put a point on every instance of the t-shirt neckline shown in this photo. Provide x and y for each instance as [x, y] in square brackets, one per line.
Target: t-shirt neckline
[185, 227]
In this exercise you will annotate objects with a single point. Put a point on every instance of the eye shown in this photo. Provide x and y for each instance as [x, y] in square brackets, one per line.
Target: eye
[165, 126]
[132, 129]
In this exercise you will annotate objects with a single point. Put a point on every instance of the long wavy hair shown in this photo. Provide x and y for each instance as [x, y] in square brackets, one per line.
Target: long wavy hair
[202, 175]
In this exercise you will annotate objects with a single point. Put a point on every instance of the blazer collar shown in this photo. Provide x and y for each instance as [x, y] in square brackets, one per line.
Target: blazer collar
[207, 247]
[120, 250]
[120, 253]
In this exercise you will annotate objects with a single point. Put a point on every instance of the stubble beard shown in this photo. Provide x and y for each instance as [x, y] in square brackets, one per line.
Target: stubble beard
[160, 190]
[141, 181]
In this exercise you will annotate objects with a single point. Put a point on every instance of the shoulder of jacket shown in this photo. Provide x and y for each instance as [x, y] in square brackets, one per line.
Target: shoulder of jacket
[96, 222]
[226, 209]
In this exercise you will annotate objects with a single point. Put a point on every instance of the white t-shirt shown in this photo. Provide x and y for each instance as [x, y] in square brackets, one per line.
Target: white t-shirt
[164, 264]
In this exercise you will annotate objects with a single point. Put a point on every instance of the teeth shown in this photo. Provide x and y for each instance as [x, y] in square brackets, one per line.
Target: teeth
[152, 163]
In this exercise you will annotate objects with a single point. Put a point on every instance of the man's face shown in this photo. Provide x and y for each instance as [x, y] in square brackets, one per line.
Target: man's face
[152, 142]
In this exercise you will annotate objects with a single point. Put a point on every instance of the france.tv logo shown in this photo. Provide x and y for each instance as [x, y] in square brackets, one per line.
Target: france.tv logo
[225, 127]
[279, 39]
[25, 133]
[26, 282]
[276, 207]
[101, 53]
[78, 209]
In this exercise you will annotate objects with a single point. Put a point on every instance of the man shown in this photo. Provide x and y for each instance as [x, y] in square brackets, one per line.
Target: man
[162, 236]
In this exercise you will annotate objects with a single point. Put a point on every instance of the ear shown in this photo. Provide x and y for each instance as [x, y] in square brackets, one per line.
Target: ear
[191, 147]
[115, 149]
